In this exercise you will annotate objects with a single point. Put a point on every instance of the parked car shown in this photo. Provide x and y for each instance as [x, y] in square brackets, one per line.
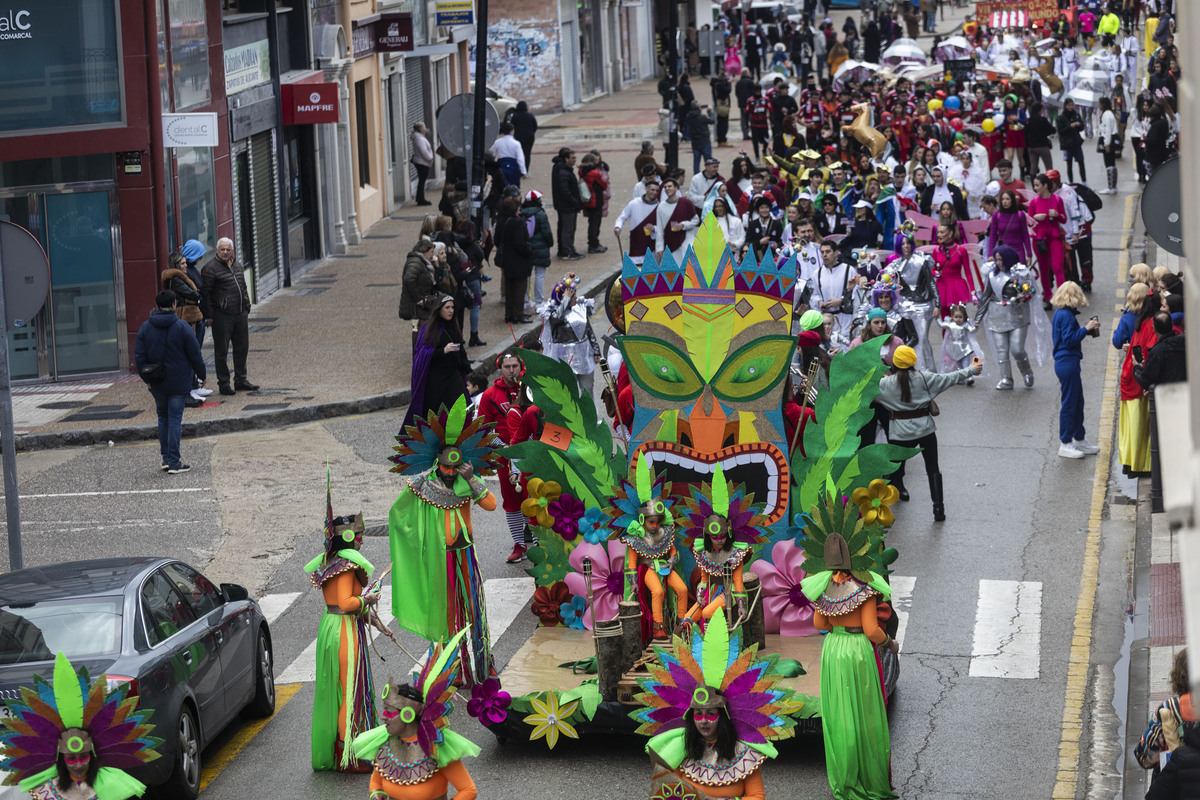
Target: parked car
[196, 654]
[502, 103]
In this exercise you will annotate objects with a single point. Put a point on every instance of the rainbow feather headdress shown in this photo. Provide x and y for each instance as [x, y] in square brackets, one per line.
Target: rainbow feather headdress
[629, 498]
[459, 426]
[715, 664]
[119, 731]
[719, 498]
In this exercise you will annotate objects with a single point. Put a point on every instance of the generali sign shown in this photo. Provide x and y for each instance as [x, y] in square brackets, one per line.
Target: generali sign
[309, 103]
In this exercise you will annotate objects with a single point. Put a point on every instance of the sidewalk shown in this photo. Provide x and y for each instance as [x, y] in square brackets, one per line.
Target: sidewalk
[333, 343]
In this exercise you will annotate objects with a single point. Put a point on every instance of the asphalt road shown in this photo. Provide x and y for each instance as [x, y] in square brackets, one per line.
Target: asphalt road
[251, 510]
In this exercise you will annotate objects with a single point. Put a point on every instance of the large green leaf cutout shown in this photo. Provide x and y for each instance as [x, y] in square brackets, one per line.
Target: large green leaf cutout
[550, 559]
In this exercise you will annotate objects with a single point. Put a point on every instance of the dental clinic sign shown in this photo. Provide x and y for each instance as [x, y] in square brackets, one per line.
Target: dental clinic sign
[15, 24]
[190, 130]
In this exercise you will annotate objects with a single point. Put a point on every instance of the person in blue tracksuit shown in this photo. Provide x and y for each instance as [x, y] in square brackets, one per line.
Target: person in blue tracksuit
[1067, 336]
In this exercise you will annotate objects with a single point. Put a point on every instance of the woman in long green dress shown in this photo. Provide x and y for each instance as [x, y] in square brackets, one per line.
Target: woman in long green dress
[853, 710]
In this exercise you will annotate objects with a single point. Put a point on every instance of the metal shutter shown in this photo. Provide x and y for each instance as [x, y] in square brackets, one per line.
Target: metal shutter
[265, 214]
[414, 102]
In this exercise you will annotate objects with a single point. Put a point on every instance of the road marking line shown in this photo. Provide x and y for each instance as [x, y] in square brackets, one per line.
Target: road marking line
[224, 757]
[505, 599]
[902, 589]
[114, 493]
[1067, 780]
[1008, 630]
[273, 605]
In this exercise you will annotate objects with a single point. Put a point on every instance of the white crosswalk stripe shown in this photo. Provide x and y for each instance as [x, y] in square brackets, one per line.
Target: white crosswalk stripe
[505, 597]
[1008, 630]
[902, 590]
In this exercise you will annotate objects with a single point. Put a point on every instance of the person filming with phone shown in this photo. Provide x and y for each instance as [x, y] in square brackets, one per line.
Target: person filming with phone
[1068, 335]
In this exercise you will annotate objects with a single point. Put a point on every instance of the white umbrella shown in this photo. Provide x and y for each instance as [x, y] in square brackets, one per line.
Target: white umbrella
[903, 50]
[1085, 97]
[1091, 79]
[954, 47]
[852, 70]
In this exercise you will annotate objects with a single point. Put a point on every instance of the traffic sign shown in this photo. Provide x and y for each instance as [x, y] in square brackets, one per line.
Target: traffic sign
[456, 124]
[26, 274]
[1162, 207]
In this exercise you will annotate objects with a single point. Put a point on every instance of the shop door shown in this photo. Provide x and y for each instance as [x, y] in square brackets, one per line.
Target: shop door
[77, 331]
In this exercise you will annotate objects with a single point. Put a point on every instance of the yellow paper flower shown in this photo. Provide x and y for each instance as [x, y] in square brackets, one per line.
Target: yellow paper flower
[549, 719]
[873, 502]
[541, 494]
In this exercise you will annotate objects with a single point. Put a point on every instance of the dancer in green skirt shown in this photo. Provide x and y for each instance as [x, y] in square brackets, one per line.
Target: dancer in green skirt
[853, 711]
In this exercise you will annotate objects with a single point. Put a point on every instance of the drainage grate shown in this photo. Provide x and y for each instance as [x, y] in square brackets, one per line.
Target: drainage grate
[90, 415]
[261, 320]
[265, 406]
[64, 405]
[262, 328]
[312, 290]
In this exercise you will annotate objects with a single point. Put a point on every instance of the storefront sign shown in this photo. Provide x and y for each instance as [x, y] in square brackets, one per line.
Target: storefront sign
[191, 130]
[309, 103]
[455, 12]
[394, 32]
[246, 66]
[362, 37]
[15, 24]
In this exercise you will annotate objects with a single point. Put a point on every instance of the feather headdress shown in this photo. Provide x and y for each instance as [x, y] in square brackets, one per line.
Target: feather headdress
[628, 500]
[721, 499]
[119, 731]
[460, 427]
[715, 664]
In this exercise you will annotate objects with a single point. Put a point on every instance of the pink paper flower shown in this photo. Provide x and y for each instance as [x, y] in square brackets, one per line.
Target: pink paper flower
[785, 607]
[608, 578]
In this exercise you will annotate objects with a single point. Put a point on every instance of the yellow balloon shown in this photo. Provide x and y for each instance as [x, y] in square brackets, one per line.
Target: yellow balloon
[988, 125]
[935, 104]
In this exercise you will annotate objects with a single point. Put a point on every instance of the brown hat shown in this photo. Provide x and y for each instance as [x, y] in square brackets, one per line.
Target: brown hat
[837, 553]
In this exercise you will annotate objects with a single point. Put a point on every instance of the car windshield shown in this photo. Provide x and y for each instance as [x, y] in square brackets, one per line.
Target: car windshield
[80, 628]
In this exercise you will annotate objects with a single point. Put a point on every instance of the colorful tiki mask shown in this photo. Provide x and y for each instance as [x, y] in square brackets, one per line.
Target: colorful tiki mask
[707, 346]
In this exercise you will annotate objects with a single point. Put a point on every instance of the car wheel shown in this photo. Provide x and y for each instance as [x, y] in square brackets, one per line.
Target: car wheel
[263, 704]
[185, 778]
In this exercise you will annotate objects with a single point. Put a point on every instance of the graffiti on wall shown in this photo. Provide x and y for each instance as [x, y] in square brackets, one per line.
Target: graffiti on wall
[523, 61]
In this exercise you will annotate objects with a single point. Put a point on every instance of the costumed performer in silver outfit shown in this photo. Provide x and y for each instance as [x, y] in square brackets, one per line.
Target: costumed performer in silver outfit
[1004, 305]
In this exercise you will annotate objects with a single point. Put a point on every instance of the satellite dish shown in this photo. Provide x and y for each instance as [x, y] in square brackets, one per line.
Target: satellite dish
[1162, 207]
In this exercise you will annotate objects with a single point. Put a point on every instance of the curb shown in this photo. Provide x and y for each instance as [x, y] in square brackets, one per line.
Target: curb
[262, 420]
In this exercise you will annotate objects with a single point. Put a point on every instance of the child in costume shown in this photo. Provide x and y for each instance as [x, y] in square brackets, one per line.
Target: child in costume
[712, 710]
[72, 739]
[854, 720]
[642, 521]
[414, 755]
[436, 585]
[722, 527]
[959, 345]
[344, 693]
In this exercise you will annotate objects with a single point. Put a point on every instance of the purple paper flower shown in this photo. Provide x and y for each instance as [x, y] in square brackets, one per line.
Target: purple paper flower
[567, 512]
[572, 612]
[489, 703]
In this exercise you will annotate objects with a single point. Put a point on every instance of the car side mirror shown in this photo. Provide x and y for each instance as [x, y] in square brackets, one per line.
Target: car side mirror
[233, 592]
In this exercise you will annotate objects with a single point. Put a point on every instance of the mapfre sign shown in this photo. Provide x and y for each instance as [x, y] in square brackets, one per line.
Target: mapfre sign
[310, 103]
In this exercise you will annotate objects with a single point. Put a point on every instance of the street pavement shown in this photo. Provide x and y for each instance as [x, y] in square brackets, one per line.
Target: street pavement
[1015, 610]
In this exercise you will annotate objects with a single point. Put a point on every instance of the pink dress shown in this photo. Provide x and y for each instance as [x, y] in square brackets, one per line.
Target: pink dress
[952, 268]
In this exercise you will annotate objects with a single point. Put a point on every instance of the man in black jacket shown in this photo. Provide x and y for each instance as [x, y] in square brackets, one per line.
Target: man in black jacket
[1070, 139]
[564, 188]
[1180, 779]
[167, 340]
[229, 302]
[1167, 360]
[742, 91]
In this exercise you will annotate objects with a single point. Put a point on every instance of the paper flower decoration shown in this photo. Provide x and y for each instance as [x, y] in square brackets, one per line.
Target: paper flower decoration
[567, 512]
[489, 703]
[608, 578]
[873, 502]
[549, 719]
[673, 791]
[547, 601]
[785, 608]
[572, 612]
[536, 505]
[594, 526]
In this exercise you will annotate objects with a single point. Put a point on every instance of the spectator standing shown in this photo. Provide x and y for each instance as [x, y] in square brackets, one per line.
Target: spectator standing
[1172, 715]
[568, 202]
[1166, 362]
[1067, 336]
[743, 90]
[422, 159]
[758, 110]
[593, 207]
[510, 156]
[167, 340]
[1070, 139]
[1133, 420]
[700, 119]
[417, 280]
[193, 251]
[187, 294]
[514, 257]
[524, 130]
[440, 365]
[1038, 131]
[541, 239]
[646, 159]
[721, 89]
[1158, 133]
[225, 286]
[1107, 140]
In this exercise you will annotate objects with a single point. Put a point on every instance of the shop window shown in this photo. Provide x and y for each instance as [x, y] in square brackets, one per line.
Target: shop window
[364, 140]
[62, 66]
[189, 53]
[197, 193]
